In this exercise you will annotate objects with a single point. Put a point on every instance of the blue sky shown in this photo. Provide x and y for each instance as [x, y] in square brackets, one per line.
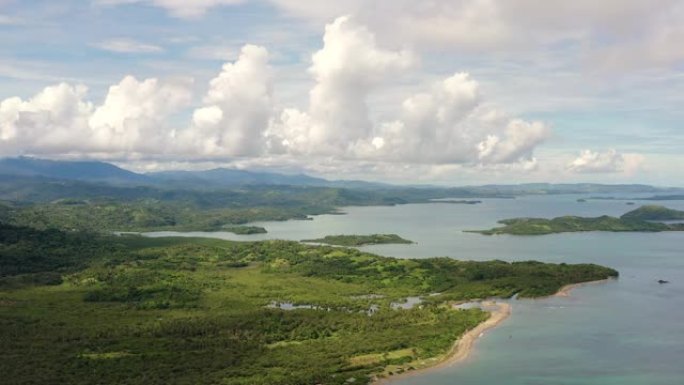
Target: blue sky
[470, 91]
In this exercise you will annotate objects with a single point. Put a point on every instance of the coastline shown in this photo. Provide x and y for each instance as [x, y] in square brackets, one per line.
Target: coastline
[461, 349]
[565, 290]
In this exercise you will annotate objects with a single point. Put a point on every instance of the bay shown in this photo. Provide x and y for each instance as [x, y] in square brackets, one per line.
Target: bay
[628, 331]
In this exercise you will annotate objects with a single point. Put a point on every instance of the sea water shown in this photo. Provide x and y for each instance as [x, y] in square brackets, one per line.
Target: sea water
[628, 331]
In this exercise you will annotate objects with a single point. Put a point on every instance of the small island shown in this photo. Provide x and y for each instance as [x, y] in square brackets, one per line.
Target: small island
[457, 202]
[360, 240]
[643, 219]
[654, 213]
[245, 230]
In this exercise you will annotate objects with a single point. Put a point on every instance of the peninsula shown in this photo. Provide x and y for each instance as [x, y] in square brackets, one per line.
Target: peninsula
[193, 310]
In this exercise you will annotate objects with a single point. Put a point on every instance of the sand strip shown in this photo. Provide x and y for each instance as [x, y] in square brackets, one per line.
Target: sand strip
[499, 311]
[565, 290]
[463, 346]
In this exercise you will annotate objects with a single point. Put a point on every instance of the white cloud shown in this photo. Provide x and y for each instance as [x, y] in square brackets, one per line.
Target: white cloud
[128, 46]
[609, 161]
[650, 29]
[185, 9]
[133, 117]
[58, 120]
[449, 124]
[345, 70]
[237, 108]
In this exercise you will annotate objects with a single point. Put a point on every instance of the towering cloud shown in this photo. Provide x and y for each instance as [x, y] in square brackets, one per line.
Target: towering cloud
[450, 123]
[237, 108]
[345, 70]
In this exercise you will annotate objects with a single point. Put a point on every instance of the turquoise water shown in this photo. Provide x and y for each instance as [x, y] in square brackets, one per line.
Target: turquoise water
[629, 331]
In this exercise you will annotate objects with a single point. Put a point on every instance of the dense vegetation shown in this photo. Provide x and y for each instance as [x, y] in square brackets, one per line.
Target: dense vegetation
[653, 213]
[636, 220]
[75, 205]
[245, 230]
[135, 310]
[360, 240]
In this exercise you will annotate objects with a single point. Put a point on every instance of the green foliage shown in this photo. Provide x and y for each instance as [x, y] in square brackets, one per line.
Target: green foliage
[653, 213]
[194, 311]
[636, 220]
[245, 230]
[360, 240]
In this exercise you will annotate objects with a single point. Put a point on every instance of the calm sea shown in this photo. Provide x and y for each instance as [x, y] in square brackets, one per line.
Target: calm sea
[630, 331]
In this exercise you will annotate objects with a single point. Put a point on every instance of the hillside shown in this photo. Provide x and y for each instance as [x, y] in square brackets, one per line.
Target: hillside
[69, 170]
[653, 213]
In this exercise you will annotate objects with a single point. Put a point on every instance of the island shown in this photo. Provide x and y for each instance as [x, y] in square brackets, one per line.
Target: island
[119, 310]
[360, 240]
[643, 219]
[245, 230]
[457, 201]
[654, 213]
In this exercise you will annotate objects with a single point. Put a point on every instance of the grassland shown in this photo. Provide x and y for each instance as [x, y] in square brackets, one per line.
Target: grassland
[134, 310]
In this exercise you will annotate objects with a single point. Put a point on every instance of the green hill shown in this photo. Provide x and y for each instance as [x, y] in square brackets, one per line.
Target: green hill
[653, 213]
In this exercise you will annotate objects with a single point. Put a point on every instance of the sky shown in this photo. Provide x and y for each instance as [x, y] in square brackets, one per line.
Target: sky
[440, 91]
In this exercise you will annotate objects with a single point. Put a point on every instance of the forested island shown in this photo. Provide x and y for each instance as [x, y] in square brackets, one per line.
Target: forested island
[643, 219]
[82, 308]
[245, 230]
[360, 240]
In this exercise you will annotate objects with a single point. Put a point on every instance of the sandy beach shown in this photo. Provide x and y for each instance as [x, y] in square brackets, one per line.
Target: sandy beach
[499, 311]
[565, 290]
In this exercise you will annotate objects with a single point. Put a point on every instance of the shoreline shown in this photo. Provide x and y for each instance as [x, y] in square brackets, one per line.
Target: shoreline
[462, 347]
[565, 290]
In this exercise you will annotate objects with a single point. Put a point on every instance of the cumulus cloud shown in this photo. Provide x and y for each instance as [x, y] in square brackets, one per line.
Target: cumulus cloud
[186, 9]
[59, 120]
[128, 46]
[609, 161]
[236, 110]
[345, 70]
[450, 123]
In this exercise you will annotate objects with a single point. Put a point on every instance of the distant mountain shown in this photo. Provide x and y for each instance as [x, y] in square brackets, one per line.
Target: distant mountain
[225, 177]
[70, 170]
[93, 171]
